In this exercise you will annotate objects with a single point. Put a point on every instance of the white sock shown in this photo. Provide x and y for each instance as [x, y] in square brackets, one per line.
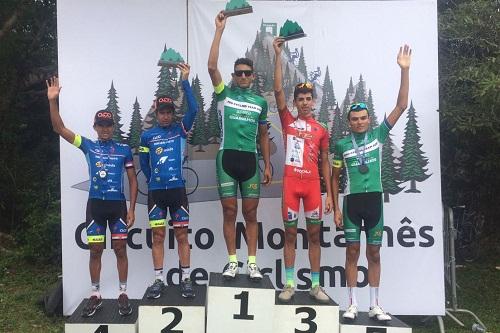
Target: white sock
[352, 296]
[186, 271]
[373, 296]
[96, 289]
[159, 274]
[123, 287]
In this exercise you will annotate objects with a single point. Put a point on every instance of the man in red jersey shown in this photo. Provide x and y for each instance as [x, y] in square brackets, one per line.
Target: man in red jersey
[305, 141]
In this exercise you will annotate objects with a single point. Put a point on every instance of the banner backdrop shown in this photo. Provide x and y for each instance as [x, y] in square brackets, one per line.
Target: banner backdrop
[108, 55]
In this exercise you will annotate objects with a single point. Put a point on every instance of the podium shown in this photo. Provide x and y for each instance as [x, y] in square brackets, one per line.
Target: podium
[239, 305]
[363, 324]
[304, 314]
[106, 320]
[172, 312]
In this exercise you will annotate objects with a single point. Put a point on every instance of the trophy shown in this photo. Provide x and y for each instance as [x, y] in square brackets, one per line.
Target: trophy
[170, 58]
[237, 7]
[291, 30]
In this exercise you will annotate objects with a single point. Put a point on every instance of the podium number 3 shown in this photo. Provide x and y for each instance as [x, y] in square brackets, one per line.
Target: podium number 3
[243, 297]
[311, 314]
[177, 319]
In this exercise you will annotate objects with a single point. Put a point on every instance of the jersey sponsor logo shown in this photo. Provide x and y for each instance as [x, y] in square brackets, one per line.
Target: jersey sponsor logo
[243, 105]
[374, 145]
[302, 171]
[252, 186]
[159, 150]
[227, 184]
[173, 178]
[162, 160]
[98, 164]
[156, 137]
[106, 115]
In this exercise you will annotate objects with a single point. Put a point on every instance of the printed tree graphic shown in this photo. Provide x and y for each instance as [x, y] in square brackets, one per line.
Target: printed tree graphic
[371, 110]
[413, 161]
[390, 170]
[199, 133]
[118, 134]
[302, 63]
[213, 125]
[135, 130]
[287, 82]
[360, 94]
[327, 100]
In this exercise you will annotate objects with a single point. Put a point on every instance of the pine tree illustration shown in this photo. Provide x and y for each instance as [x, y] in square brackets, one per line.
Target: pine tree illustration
[118, 134]
[199, 133]
[390, 170]
[413, 161]
[258, 84]
[371, 110]
[324, 115]
[213, 124]
[336, 131]
[295, 79]
[302, 64]
[287, 82]
[135, 130]
[346, 104]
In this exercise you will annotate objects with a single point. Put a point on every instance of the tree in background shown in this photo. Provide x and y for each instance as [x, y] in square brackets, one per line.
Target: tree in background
[413, 161]
[134, 133]
[213, 124]
[371, 110]
[199, 131]
[112, 106]
[390, 170]
[302, 64]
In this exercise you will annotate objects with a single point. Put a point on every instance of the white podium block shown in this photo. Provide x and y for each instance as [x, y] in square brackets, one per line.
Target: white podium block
[304, 314]
[106, 320]
[363, 324]
[172, 313]
[239, 305]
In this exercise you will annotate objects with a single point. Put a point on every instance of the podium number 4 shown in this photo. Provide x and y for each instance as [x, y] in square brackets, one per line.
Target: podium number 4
[177, 319]
[311, 314]
[102, 329]
[243, 297]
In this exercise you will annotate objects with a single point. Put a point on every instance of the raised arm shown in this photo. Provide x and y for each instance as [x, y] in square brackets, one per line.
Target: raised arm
[53, 90]
[190, 115]
[213, 57]
[404, 60]
[279, 94]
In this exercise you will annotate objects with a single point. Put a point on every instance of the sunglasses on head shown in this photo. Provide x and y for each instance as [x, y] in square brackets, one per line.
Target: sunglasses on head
[247, 72]
[307, 85]
[358, 107]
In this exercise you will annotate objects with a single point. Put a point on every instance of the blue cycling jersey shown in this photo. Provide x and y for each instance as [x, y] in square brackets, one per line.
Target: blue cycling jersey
[106, 161]
[162, 148]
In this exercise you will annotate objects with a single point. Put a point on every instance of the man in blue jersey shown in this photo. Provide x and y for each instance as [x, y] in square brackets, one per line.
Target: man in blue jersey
[107, 161]
[161, 154]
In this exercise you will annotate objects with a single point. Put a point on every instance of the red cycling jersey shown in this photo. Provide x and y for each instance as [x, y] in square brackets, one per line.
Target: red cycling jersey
[304, 139]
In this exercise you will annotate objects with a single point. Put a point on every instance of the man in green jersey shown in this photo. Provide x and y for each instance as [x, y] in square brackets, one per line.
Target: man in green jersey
[361, 153]
[242, 116]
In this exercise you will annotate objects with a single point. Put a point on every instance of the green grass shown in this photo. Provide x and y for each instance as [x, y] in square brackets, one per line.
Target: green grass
[22, 283]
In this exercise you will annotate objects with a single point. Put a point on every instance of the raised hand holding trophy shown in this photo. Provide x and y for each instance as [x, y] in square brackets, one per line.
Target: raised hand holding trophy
[170, 58]
[237, 7]
[291, 30]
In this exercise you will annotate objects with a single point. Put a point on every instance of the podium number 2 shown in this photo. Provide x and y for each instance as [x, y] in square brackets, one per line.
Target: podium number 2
[177, 319]
[243, 297]
[102, 329]
[311, 314]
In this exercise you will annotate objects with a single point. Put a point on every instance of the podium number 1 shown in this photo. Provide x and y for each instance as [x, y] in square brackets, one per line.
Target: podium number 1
[243, 297]
[177, 319]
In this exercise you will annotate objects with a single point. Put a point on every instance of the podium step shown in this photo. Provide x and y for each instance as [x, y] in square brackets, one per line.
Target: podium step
[239, 305]
[363, 324]
[172, 312]
[304, 314]
[106, 320]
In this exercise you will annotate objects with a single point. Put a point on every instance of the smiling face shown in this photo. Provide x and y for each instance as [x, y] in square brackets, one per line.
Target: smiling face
[243, 75]
[165, 117]
[104, 131]
[359, 121]
[304, 103]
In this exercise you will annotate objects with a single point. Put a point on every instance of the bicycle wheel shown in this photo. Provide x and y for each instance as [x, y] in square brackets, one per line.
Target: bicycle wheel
[191, 178]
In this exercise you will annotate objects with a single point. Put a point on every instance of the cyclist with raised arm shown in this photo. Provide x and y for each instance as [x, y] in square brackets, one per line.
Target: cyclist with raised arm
[306, 141]
[243, 117]
[361, 154]
[161, 155]
[107, 160]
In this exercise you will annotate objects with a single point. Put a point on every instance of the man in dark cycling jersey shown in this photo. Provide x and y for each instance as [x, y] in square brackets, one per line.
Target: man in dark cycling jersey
[306, 140]
[107, 160]
[161, 154]
[360, 153]
[243, 116]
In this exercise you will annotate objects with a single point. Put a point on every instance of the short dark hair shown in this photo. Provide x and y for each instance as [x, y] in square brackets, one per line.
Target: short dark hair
[243, 61]
[349, 113]
[303, 88]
